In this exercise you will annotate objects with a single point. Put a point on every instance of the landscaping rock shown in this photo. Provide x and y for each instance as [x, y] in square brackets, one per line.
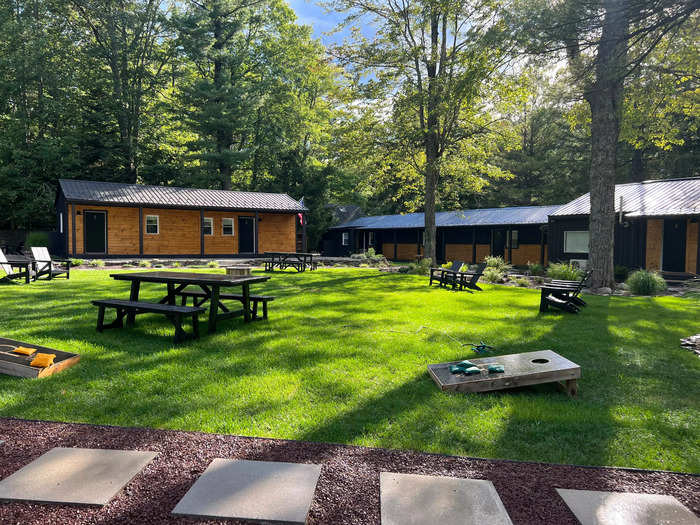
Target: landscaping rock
[692, 344]
[603, 290]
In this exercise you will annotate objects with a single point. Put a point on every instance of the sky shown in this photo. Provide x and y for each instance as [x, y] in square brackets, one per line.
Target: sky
[309, 13]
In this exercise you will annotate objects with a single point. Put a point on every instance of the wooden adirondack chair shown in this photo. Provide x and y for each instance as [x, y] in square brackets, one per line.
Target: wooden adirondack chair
[45, 265]
[9, 268]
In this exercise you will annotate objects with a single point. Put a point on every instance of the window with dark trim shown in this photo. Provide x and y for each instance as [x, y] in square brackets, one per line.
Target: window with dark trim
[514, 242]
[208, 226]
[370, 240]
[345, 239]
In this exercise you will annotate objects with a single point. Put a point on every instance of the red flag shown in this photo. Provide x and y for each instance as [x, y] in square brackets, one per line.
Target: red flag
[301, 218]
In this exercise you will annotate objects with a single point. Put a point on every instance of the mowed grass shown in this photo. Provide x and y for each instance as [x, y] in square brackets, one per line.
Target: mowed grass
[343, 359]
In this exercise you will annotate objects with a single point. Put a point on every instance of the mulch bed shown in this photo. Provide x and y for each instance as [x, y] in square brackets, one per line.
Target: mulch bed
[347, 492]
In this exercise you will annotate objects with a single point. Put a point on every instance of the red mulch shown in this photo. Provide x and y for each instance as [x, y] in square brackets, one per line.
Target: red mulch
[347, 492]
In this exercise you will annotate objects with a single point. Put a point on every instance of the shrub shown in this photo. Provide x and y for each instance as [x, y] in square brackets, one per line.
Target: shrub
[564, 271]
[535, 268]
[143, 263]
[643, 282]
[621, 273]
[493, 274]
[213, 264]
[176, 264]
[97, 263]
[523, 282]
[37, 239]
[498, 263]
[538, 279]
[76, 262]
[422, 267]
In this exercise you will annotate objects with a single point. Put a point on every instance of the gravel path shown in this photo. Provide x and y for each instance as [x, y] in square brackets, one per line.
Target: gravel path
[347, 492]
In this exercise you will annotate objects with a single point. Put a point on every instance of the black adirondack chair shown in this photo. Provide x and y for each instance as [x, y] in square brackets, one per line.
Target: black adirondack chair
[570, 290]
[446, 276]
[17, 267]
[469, 278]
[46, 265]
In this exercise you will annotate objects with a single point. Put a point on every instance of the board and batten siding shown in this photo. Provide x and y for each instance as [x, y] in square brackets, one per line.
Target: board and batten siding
[179, 231]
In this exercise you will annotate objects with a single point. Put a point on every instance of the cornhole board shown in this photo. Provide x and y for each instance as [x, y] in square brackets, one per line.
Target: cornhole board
[529, 368]
[18, 364]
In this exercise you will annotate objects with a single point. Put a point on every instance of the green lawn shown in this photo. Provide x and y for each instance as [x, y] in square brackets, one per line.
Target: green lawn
[342, 359]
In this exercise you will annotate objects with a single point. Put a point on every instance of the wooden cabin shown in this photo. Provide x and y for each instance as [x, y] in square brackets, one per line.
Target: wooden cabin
[518, 234]
[106, 219]
[657, 226]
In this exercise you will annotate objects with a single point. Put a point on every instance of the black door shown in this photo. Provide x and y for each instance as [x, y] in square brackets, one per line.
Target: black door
[674, 245]
[499, 243]
[95, 231]
[246, 234]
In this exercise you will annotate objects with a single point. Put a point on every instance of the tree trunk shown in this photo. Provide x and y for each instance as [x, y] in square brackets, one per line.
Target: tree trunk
[604, 96]
[432, 149]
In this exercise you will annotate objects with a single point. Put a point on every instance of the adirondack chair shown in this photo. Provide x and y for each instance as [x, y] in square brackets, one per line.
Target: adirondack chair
[10, 273]
[45, 265]
[469, 278]
[445, 276]
[571, 290]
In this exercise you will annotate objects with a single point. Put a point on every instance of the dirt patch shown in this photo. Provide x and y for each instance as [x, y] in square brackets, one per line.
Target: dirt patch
[347, 492]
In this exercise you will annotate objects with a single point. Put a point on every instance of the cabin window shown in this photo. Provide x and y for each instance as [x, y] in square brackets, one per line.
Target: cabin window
[371, 239]
[208, 226]
[576, 242]
[514, 242]
[345, 238]
[152, 226]
[227, 226]
[60, 222]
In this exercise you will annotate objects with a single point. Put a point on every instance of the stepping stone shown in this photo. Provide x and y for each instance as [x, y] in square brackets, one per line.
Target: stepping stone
[608, 508]
[78, 476]
[252, 490]
[414, 499]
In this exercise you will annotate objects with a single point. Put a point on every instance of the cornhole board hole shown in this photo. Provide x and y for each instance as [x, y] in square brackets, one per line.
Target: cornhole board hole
[18, 364]
[528, 368]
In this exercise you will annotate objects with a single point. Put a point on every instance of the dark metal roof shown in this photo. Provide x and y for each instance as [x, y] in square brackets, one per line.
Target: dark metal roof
[647, 199]
[482, 217]
[171, 197]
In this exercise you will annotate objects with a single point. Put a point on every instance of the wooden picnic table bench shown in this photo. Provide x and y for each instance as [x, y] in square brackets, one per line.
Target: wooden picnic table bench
[199, 297]
[283, 260]
[172, 312]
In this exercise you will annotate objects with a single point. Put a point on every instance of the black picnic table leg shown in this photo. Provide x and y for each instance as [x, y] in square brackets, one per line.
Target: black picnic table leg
[213, 308]
[134, 296]
[246, 302]
[543, 300]
[171, 293]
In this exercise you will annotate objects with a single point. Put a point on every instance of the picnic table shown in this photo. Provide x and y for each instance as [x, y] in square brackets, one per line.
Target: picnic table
[24, 264]
[210, 284]
[283, 260]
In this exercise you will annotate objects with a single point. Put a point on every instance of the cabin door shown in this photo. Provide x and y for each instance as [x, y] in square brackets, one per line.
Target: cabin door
[95, 231]
[246, 234]
[674, 245]
[499, 243]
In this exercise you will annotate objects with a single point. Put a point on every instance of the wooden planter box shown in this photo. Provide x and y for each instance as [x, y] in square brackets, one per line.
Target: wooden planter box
[18, 365]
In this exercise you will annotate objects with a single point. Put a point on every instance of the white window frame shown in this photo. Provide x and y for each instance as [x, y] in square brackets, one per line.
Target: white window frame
[578, 232]
[345, 239]
[233, 230]
[157, 225]
[60, 222]
[211, 230]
